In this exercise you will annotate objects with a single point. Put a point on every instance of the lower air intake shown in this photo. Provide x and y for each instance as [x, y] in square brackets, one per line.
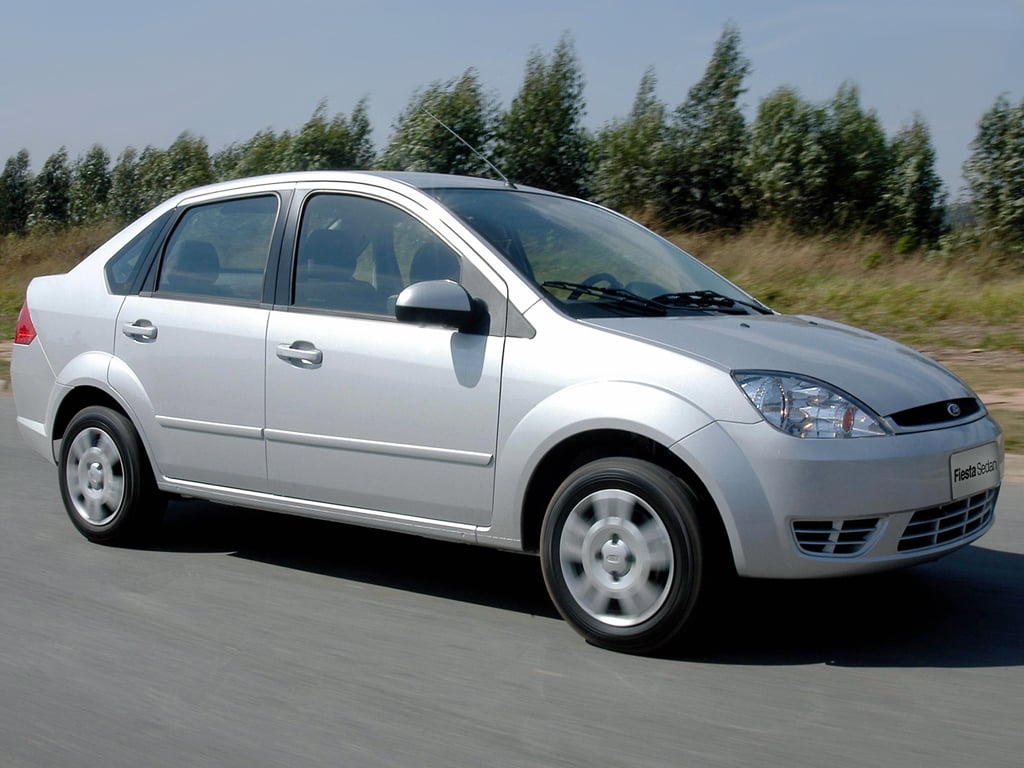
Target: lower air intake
[838, 538]
[949, 522]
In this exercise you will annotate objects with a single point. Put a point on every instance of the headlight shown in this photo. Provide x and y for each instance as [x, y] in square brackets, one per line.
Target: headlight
[803, 407]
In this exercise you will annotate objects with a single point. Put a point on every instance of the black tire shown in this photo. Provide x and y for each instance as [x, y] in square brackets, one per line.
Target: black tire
[105, 479]
[622, 554]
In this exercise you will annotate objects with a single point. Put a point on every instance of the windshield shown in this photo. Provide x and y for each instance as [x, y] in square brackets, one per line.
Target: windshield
[592, 262]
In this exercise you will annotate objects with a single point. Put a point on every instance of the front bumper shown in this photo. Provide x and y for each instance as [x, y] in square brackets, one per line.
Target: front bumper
[811, 508]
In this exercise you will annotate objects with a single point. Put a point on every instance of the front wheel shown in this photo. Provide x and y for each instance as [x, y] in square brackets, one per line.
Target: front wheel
[622, 554]
[105, 480]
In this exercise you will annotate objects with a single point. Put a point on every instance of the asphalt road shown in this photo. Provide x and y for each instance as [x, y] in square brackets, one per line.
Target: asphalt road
[249, 639]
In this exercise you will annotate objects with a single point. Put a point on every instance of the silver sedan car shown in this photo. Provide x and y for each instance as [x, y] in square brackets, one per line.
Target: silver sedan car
[464, 359]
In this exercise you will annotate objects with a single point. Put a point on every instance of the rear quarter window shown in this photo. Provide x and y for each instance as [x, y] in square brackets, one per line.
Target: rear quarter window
[125, 267]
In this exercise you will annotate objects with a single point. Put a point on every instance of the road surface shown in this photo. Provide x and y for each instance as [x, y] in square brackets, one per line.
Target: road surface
[249, 639]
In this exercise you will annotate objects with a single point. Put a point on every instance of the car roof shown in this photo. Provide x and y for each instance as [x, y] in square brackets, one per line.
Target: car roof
[439, 180]
[421, 181]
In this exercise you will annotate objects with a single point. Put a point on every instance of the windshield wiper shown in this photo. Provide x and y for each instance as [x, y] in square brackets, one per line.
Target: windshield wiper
[625, 299]
[620, 296]
[709, 300]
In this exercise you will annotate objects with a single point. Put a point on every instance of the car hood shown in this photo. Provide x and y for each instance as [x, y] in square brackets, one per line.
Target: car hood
[886, 376]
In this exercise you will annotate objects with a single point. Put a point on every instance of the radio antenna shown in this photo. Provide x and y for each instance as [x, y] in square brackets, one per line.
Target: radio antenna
[471, 148]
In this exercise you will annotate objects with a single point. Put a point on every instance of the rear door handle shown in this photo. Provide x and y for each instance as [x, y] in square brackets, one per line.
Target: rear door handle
[140, 329]
[300, 352]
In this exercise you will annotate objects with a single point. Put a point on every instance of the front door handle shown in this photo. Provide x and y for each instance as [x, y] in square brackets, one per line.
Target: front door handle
[300, 352]
[143, 330]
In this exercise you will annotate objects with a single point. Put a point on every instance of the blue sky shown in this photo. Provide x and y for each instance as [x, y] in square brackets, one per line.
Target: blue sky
[136, 74]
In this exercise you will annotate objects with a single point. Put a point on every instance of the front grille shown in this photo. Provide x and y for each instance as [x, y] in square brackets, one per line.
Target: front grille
[937, 413]
[834, 537]
[949, 522]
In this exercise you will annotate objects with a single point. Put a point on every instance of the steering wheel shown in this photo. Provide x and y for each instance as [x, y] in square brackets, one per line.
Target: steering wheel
[598, 277]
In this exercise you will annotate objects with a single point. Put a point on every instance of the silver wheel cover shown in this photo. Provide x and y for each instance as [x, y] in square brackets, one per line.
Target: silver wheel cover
[616, 557]
[94, 471]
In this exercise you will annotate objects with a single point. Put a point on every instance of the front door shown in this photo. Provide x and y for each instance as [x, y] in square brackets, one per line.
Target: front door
[364, 412]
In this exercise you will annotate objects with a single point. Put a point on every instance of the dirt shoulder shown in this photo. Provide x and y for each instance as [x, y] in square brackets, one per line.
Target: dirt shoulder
[5, 366]
[1014, 469]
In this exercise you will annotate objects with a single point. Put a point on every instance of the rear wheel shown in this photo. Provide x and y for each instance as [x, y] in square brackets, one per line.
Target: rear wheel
[105, 480]
[622, 554]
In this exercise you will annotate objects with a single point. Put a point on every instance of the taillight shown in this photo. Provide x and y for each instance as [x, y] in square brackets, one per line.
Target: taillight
[24, 332]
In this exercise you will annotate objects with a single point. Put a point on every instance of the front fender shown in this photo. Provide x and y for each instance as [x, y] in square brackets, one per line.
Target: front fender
[651, 412]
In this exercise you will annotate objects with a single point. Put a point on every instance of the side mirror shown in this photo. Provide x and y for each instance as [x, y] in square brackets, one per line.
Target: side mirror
[442, 303]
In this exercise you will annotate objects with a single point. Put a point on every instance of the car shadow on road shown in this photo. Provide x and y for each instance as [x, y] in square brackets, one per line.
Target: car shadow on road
[966, 610]
[455, 571]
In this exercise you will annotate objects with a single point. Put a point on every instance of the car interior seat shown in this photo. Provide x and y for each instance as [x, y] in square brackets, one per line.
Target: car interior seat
[324, 276]
[194, 268]
[434, 261]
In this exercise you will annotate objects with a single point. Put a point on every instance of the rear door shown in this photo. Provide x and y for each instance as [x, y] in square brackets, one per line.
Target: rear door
[193, 343]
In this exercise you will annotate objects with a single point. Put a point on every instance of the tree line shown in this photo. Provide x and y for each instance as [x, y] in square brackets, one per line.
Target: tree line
[700, 166]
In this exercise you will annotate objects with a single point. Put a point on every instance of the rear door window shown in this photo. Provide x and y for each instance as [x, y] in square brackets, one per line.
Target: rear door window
[220, 250]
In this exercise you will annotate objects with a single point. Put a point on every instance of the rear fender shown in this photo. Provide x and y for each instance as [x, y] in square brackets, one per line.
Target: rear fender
[97, 370]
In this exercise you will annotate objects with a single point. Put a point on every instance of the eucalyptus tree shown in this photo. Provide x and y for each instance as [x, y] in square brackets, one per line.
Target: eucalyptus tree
[995, 175]
[860, 164]
[265, 152]
[702, 185]
[16, 194]
[914, 196]
[787, 162]
[338, 143]
[165, 172]
[51, 194]
[90, 186]
[420, 140]
[125, 201]
[626, 153]
[540, 139]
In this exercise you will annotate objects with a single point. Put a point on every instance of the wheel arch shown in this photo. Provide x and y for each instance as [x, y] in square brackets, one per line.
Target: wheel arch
[98, 378]
[80, 383]
[78, 398]
[584, 447]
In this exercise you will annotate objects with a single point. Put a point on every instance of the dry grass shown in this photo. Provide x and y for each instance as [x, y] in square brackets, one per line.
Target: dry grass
[22, 258]
[972, 301]
[1012, 422]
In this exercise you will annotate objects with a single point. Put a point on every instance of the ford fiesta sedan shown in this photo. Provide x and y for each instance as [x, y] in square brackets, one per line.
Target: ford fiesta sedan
[464, 359]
